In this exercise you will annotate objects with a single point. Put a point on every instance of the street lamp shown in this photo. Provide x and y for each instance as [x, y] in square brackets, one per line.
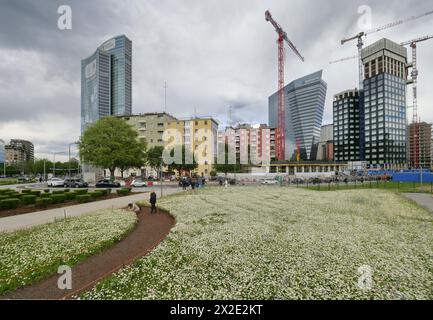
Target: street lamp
[54, 162]
[69, 155]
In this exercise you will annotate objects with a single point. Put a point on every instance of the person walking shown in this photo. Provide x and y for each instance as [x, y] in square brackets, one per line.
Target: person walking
[153, 202]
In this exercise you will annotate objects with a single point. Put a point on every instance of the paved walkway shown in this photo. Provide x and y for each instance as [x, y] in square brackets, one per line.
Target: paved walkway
[29, 220]
[149, 232]
[425, 200]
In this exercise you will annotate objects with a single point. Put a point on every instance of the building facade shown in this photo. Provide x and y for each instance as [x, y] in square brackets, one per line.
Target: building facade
[106, 81]
[253, 144]
[424, 132]
[347, 116]
[19, 151]
[325, 148]
[2, 151]
[199, 135]
[385, 66]
[304, 107]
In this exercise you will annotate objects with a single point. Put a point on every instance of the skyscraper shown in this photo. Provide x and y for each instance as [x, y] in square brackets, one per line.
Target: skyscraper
[385, 103]
[304, 105]
[2, 151]
[347, 115]
[424, 131]
[106, 81]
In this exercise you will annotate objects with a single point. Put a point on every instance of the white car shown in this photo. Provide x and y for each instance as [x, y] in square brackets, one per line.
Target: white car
[269, 181]
[56, 182]
[138, 183]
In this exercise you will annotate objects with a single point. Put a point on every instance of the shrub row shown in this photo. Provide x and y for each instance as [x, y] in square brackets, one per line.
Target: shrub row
[123, 191]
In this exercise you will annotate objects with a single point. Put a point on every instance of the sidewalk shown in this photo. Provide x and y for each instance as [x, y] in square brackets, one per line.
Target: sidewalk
[425, 200]
[29, 220]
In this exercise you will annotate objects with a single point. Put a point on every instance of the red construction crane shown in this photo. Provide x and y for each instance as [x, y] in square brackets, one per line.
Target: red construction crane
[281, 130]
[360, 44]
[415, 153]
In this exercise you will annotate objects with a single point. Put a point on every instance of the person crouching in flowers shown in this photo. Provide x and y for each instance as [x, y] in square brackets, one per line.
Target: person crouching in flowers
[134, 207]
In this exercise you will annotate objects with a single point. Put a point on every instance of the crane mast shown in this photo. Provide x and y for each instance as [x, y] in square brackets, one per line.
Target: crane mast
[281, 130]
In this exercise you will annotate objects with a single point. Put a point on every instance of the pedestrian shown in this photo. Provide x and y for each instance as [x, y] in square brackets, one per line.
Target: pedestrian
[134, 207]
[153, 202]
[221, 182]
[226, 183]
[184, 184]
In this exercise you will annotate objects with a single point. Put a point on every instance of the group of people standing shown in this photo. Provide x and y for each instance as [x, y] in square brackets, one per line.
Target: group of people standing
[193, 182]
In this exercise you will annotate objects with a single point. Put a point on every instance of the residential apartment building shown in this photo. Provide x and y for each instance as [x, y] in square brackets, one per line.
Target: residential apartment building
[385, 66]
[420, 150]
[253, 144]
[106, 81]
[347, 113]
[304, 107]
[19, 151]
[150, 126]
[199, 135]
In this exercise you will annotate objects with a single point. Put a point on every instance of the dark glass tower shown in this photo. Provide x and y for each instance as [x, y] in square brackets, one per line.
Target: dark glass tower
[385, 103]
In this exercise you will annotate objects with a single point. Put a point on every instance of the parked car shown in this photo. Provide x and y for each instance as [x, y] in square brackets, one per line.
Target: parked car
[107, 183]
[56, 182]
[269, 182]
[76, 183]
[138, 183]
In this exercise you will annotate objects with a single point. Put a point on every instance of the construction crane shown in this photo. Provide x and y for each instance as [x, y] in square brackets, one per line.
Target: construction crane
[282, 36]
[415, 150]
[360, 43]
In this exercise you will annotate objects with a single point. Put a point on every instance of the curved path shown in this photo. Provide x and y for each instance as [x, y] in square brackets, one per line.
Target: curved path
[149, 232]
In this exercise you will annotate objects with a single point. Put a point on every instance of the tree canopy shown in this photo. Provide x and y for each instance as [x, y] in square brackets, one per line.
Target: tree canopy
[112, 143]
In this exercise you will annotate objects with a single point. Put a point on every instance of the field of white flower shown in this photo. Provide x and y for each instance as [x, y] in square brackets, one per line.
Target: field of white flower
[30, 255]
[280, 243]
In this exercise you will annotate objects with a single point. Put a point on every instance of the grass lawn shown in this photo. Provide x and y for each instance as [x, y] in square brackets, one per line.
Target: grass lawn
[284, 243]
[30, 255]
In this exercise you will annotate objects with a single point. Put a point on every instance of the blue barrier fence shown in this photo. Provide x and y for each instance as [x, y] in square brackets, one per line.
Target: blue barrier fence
[405, 176]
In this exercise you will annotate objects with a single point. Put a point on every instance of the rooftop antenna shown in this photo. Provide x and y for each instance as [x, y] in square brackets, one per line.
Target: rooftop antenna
[165, 96]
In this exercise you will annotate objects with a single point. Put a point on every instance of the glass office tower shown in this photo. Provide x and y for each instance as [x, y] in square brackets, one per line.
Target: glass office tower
[304, 106]
[385, 103]
[106, 81]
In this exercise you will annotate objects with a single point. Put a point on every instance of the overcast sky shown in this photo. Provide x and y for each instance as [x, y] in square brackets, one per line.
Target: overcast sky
[212, 53]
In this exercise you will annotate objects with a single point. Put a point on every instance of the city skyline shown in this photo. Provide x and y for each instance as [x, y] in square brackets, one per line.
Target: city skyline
[212, 55]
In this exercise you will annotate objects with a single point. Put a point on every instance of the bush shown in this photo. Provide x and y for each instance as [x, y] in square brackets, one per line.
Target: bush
[81, 191]
[66, 190]
[47, 190]
[70, 196]
[83, 198]
[16, 195]
[3, 197]
[45, 195]
[28, 199]
[35, 193]
[43, 202]
[58, 192]
[123, 192]
[105, 192]
[26, 191]
[95, 194]
[58, 198]
[8, 204]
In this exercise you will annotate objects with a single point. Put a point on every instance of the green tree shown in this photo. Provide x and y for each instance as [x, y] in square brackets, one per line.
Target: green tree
[154, 158]
[183, 165]
[111, 143]
[226, 167]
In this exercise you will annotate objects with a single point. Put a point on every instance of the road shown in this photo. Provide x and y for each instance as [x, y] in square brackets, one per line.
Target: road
[29, 220]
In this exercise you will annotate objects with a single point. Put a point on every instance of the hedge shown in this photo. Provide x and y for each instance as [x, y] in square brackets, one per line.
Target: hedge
[81, 191]
[47, 190]
[45, 195]
[96, 194]
[3, 197]
[83, 198]
[58, 192]
[35, 193]
[26, 191]
[70, 196]
[58, 198]
[123, 192]
[43, 202]
[8, 204]
[28, 199]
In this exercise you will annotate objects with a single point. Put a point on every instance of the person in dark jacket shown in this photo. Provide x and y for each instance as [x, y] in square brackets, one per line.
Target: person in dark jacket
[153, 202]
